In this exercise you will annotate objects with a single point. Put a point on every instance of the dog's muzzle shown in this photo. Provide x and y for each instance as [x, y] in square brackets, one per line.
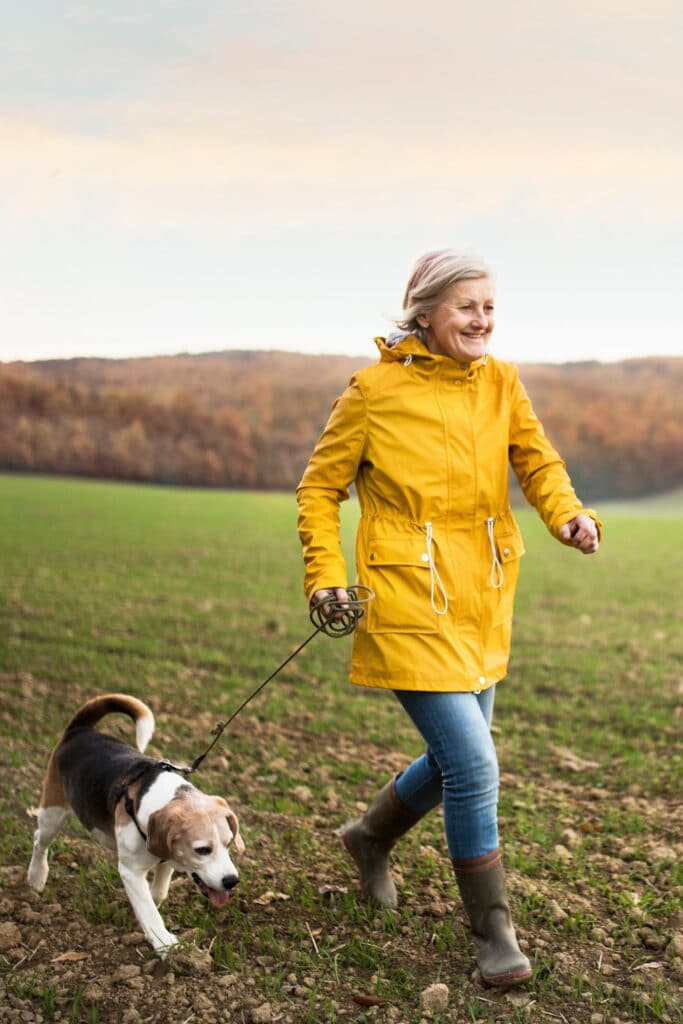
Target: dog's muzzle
[217, 897]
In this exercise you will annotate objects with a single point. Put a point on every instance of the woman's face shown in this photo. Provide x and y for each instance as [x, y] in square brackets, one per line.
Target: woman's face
[461, 323]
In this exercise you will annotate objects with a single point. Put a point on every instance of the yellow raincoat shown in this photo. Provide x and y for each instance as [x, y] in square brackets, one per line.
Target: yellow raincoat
[427, 442]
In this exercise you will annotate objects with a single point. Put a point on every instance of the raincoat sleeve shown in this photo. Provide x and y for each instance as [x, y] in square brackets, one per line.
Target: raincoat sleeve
[541, 472]
[331, 470]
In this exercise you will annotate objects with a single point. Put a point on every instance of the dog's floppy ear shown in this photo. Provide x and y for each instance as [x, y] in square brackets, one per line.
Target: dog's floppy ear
[161, 831]
[237, 840]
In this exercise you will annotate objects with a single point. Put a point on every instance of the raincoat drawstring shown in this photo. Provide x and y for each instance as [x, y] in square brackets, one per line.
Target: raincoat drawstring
[497, 576]
[434, 576]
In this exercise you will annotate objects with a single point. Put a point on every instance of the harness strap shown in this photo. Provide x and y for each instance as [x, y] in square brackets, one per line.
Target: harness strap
[122, 792]
[130, 811]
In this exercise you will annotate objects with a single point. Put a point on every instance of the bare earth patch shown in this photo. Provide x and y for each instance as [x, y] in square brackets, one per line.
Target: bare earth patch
[597, 910]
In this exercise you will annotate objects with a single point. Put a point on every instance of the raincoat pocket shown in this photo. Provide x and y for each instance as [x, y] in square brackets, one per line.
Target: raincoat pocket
[397, 569]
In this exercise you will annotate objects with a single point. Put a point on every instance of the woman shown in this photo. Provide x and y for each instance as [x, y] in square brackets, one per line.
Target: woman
[427, 435]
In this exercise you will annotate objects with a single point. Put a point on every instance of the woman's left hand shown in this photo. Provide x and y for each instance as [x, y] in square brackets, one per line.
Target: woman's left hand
[582, 533]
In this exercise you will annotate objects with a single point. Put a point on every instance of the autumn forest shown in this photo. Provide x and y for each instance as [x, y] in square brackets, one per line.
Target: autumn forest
[250, 419]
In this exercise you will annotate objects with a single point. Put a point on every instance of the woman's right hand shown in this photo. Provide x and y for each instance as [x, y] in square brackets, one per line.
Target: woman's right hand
[337, 594]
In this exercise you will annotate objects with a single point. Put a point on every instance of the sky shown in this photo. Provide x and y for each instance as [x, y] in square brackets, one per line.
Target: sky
[196, 175]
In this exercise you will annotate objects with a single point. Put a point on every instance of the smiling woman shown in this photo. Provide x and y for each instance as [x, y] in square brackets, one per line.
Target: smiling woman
[449, 305]
[427, 436]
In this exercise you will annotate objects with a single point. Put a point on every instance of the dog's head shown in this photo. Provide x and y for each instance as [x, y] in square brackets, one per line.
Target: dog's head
[196, 833]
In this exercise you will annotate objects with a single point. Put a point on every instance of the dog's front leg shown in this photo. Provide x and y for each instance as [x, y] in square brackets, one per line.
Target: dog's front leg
[145, 910]
[161, 881]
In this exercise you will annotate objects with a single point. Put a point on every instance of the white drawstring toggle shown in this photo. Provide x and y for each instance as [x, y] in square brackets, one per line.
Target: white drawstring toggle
[434, 576]
[497, 576]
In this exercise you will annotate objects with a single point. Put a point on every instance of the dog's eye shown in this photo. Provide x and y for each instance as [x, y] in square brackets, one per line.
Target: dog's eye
[203, 851]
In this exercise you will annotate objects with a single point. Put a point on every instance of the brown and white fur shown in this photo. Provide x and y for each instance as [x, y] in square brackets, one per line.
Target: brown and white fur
[182, 828]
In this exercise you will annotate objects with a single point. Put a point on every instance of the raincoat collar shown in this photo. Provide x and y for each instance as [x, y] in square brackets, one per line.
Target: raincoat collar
[409, 347]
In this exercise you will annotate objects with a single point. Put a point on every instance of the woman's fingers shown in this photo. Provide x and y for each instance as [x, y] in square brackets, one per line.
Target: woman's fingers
[336, 594]
[581, 532]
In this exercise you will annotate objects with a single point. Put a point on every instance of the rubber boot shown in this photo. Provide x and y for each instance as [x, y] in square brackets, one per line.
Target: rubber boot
[481, 882]
[369, 840]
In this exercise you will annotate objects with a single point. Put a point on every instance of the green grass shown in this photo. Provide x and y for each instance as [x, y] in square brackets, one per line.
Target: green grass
[189, 599]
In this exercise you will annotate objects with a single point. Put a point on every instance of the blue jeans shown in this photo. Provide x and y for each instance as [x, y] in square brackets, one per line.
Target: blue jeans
[459, 767]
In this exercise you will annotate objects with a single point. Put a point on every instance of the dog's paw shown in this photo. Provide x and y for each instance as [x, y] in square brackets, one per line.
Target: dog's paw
[163, 944]
[36, 876]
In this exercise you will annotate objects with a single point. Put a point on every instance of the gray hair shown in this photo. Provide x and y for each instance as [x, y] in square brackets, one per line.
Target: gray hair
[432, 275]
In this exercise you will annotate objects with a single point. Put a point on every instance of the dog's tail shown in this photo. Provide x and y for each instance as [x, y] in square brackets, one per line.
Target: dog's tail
[93, 710]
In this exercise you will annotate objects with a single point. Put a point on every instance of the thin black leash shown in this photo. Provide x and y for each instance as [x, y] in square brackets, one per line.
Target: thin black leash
[341, 620]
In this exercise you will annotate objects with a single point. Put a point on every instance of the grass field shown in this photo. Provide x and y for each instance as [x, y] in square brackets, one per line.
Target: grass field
[189, 599]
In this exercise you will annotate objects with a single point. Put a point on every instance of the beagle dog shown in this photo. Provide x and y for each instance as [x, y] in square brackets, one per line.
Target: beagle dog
[141, 809]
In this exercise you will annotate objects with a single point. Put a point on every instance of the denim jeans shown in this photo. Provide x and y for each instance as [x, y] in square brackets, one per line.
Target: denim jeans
[459, 767]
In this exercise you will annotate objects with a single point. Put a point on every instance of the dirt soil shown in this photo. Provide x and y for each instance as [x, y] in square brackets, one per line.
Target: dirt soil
[64, 959]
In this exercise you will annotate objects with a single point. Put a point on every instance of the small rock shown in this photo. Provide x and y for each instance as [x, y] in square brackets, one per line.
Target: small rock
[94, 993]
[650, 938]
[519, 999]
[434, 999]
[555, 912]
[227, 980]
[596, 1018]
[571, 838]
[191, 961]
[302, 793]
[9, 935]
[125, 972]
[562, 853]
[262, 1014]
[675, 947]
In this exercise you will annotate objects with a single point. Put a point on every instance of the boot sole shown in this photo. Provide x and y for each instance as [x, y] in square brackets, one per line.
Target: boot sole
[511, 978]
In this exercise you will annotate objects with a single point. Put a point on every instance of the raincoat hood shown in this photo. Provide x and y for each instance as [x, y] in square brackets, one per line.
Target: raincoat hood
[401, 346]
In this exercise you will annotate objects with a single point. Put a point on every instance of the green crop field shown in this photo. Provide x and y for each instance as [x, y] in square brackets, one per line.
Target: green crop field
[189, 599]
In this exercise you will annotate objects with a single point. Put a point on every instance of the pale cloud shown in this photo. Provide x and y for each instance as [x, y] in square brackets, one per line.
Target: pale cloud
[299, 135]
[297, 112]
[182, 173]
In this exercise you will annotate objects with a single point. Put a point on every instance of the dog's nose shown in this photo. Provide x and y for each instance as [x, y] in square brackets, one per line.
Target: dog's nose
[230, 881]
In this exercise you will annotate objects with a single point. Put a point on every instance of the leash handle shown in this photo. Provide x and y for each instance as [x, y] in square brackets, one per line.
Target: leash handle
[343, 616]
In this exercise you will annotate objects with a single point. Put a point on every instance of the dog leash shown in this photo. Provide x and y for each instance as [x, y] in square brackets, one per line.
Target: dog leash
[341, 620]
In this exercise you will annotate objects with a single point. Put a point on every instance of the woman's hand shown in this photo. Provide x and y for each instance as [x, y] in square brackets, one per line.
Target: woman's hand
[337, 594]
[582, 533]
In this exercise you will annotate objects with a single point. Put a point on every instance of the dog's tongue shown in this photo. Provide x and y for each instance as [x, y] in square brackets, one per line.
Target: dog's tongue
[218, 897]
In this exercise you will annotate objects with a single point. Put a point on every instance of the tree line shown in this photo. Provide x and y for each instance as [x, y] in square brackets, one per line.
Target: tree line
[250, 419]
